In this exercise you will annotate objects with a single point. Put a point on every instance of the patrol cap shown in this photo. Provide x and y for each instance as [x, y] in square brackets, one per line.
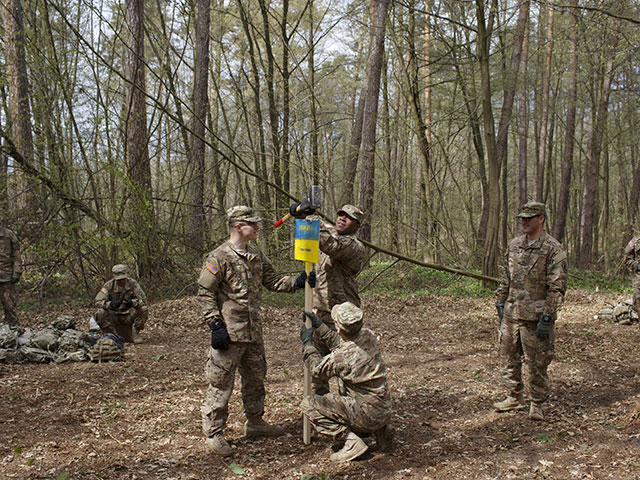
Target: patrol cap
[532, 209]
[120, 271]
[242, 213]
[348, 317]
[352, 212]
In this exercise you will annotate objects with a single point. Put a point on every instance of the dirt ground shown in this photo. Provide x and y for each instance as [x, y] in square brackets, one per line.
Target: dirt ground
[140, 419]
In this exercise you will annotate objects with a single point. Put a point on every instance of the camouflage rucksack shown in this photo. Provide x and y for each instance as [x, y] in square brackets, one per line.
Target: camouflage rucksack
[107, 349]
[64, 322]
[8, 335]
[624, 314]
[11, 355]
[64, 357]
[605, 313]
[46, 339]
[72, 340]
[35, 355]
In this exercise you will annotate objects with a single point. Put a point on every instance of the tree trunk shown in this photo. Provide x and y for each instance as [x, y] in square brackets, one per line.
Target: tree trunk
[523, 131]
[200, 106]
[19, 121]
[136, 139]
[591, 171]
[374, 68]
[544, 116]
[569, 141]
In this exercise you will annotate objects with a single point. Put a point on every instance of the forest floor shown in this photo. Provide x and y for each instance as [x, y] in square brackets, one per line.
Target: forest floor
[140, 419]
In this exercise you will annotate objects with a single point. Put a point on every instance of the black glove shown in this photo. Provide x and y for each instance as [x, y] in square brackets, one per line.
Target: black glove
[500, 309]
[301, 279]
[15, 278]
[219, 335]
[115, 304]
[128, 304]
[545, 324]
[637, 269]
[302, 209]
[306, 334]
[315, 321]
[312, 279]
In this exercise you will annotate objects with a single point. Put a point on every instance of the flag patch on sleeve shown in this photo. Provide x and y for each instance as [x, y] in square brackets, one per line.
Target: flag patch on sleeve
[212, 268]
[104, 290]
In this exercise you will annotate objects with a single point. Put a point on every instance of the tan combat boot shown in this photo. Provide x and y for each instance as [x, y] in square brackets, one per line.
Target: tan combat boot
[535, 411]
[384, 438]
[257, 427]
[510, 403]
[354, 446]
[136, 336]
[218, 445]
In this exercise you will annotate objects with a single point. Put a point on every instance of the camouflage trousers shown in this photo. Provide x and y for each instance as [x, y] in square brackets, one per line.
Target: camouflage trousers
[335, 415]
[8, 299]
[320, 386]
[636, 294]
[517, 340]
[220, 371]
[108, 318]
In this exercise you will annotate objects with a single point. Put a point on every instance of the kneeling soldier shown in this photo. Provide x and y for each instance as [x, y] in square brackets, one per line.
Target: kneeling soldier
[121, 302]
[355, 358]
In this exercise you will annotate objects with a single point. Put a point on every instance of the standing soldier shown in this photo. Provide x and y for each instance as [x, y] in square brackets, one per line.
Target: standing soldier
[121, 302]
[632, 262]
[230, 286]
[10, 273]
[531, 291]
[354, 358]
[342, 256]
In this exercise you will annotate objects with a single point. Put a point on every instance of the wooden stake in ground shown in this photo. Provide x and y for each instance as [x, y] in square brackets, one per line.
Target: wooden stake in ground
[307, 249]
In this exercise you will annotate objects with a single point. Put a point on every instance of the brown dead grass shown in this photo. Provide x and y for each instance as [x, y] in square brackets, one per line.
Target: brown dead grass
[140, 419]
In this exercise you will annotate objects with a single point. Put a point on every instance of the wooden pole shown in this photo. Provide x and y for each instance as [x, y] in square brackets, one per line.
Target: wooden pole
[308, 306]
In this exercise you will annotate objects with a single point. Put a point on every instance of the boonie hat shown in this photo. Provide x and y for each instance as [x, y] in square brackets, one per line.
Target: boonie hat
[352, 212]
[242, 213]
[120, 271]
[347, 316]
[531, 209]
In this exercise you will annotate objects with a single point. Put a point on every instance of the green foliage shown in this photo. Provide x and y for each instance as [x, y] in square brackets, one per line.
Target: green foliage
[597, 280]
[17, 450]
[544, 438]
[63, 476]
[30, 461]
[407, 279]
[237, 469]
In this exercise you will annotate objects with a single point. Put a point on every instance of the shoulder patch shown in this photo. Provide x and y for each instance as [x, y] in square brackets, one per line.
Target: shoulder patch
[630, 243]
[104, 290]
[212, 268]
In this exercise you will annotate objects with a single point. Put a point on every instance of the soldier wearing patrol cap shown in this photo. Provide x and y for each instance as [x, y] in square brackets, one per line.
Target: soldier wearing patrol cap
[342, 257]
[531, 291]
[10, 273]
[121, 302]
[229, 289]
[356, 360]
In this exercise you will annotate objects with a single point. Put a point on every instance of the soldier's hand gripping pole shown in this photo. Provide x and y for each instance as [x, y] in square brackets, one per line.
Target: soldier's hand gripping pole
[307, 206]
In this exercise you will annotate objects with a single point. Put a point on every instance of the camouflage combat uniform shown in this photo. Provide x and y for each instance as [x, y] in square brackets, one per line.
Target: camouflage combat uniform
[631, 260]
[340, 260]
[10, 272]
[366, 405]
[230, 286]
[136, 315]
[533, 282]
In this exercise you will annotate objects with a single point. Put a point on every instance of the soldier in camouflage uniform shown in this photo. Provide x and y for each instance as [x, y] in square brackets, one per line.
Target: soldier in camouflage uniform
[530, 293]
[632, 262]
[229, 289]
[355, 359]
[10, 273]
[121, 301]
[342, 256]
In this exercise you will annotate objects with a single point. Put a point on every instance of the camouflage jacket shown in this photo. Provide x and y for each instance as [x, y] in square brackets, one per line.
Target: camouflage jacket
[10, 260]
[341, 259]
[534, 279]
[230, 286]
[632, 254]
[112, 291]
[358, 362]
